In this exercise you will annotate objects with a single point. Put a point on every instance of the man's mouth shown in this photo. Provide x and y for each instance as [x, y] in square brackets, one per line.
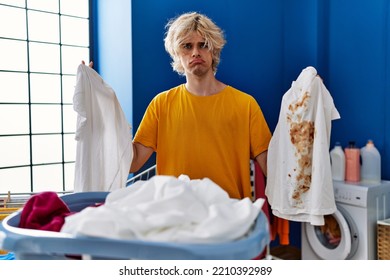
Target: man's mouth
[196, 61]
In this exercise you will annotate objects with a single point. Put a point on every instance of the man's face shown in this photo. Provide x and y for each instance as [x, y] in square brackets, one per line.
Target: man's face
[195, 56]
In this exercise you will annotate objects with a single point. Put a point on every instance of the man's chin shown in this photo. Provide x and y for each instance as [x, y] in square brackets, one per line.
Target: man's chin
[199, 71]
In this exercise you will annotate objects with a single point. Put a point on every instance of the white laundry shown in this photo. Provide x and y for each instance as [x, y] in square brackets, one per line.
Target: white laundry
[167, 208]
[299, 180]
[104, 138]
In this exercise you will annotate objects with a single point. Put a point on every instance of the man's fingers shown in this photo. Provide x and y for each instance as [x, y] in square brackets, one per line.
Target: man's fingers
[90, 64]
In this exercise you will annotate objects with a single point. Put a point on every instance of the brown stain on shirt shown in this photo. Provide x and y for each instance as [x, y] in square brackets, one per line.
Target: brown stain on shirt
[302, 137]
[302, 103]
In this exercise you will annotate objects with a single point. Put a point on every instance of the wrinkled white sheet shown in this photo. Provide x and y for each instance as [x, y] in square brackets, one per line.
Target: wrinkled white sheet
[166, 208]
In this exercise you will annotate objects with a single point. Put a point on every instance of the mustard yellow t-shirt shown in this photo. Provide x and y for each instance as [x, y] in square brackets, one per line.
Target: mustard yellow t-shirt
[206, 136]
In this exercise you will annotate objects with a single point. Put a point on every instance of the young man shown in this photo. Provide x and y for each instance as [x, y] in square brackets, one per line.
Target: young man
[203, 128]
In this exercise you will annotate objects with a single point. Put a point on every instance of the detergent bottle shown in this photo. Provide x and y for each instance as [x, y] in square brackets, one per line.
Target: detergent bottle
[352, 163]
[371, 163]
[337, 158]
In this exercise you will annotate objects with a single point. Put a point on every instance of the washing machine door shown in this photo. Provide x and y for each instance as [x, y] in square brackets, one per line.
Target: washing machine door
[337, 239]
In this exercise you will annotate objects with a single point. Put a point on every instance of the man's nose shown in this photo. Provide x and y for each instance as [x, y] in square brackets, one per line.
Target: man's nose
[195, 52]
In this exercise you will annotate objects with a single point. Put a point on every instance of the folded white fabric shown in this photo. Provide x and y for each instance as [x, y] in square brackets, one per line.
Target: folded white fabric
[166, 208]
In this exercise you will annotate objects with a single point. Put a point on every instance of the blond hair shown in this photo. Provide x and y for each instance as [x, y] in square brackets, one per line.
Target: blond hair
[178, 29]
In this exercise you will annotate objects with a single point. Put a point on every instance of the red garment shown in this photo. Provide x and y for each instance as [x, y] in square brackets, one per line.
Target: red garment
[259, 192]
[44, 211]
[278, 226]
[260, 188]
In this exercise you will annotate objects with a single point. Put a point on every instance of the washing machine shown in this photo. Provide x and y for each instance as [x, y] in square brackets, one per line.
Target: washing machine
[350, 233]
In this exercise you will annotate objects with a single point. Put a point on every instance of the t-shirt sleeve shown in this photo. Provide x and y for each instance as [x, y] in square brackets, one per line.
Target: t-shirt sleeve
[147, 132]
[260, 132]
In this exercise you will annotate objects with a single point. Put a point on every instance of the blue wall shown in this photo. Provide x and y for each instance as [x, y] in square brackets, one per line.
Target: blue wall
[250, 61]
[112, 48]
[268, 43]
[357, 74]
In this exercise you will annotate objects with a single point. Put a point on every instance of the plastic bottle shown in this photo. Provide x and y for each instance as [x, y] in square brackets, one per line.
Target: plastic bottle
[371, 163]
[337, 158]
[352, 163]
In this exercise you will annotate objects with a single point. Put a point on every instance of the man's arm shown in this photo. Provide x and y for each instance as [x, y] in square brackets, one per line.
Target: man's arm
[262, 160]
[141, 154]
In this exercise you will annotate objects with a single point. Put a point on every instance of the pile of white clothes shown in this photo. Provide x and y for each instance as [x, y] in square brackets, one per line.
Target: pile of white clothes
[169, 209]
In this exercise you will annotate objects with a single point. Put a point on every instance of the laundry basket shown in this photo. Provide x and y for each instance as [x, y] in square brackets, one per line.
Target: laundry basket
[5, 212]
[37, 244]
[383, 239]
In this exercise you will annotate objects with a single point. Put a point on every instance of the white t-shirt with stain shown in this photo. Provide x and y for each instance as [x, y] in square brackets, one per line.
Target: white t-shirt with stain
[299, 180]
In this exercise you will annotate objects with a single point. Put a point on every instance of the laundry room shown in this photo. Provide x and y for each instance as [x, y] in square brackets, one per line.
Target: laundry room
[89, 116]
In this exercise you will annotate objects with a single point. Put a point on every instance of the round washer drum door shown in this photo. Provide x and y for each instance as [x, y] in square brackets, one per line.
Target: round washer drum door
[346, 245]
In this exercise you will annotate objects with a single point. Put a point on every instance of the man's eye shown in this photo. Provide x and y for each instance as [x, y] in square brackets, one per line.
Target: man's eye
[203, 46]
[187, 46]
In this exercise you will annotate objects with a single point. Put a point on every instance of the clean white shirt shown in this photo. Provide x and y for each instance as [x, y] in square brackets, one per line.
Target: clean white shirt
[104, 138]
[299, 182]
